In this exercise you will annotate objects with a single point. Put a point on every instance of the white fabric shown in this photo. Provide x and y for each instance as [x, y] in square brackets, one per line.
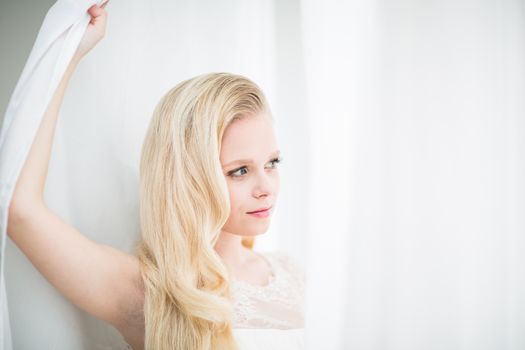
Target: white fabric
[416, 233]
[278, 304]
[274, 339]
[57, 40]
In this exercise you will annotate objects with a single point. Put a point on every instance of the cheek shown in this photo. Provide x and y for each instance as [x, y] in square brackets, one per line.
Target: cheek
[237, 207]
[275, 184]
[237, 195]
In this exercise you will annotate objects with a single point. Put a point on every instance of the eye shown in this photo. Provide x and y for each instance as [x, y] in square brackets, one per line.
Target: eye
[233, 172]
[237, 173]
[276, 161]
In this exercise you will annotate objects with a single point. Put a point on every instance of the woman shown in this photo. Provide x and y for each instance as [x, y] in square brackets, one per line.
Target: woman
[208, 185]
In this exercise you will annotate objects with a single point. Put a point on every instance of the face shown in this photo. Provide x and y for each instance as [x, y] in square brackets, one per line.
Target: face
[249, 158]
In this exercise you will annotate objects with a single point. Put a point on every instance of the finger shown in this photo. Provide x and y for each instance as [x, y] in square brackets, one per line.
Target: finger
[94, 11]
[104, 4]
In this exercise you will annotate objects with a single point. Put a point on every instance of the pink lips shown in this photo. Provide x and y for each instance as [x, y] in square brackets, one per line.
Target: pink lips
[261, 213]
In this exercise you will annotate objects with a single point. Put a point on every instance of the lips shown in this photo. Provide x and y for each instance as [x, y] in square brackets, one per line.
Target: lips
[259, 210]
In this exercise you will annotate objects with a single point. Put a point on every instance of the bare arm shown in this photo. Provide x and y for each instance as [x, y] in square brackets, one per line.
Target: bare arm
[99, 279]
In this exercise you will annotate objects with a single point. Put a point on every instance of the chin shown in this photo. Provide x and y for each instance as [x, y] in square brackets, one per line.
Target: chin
[255, 232]
[262, 232]
[248, 229]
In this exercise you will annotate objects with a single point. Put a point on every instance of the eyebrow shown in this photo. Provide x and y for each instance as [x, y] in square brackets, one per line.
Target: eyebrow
[250, 161]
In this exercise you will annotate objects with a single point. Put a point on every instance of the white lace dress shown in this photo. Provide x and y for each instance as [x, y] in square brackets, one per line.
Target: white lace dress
[271, 316]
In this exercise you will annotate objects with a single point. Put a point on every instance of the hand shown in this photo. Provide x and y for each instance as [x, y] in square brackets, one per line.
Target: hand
[95, 30]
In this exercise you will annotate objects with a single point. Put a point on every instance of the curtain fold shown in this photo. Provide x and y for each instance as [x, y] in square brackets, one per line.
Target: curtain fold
[416, 226]
[55, 44]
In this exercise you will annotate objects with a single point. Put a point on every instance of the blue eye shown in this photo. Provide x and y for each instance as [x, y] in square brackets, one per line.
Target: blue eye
[233, 173]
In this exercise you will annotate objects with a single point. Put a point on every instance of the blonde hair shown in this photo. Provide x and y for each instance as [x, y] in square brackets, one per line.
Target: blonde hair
[184, 203]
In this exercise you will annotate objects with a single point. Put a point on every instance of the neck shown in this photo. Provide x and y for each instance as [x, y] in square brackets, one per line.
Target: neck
[230, 249]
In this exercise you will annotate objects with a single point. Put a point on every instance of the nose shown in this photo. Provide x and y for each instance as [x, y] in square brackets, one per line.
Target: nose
[264, 185]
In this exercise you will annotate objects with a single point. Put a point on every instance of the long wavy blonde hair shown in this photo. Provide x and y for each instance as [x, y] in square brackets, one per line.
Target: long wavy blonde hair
[184, 203]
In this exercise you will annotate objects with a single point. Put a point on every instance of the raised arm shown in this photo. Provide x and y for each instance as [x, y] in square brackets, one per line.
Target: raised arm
[99, 279]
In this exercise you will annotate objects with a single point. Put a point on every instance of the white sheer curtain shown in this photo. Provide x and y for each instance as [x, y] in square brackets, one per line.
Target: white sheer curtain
[416, 226]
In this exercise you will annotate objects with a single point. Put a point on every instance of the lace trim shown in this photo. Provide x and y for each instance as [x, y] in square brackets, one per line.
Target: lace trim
[285, 290]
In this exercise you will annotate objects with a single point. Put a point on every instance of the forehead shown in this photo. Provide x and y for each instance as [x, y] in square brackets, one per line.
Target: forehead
[252, 137]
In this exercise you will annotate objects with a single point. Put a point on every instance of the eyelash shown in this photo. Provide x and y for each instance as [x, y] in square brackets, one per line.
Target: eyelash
[275, 161]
